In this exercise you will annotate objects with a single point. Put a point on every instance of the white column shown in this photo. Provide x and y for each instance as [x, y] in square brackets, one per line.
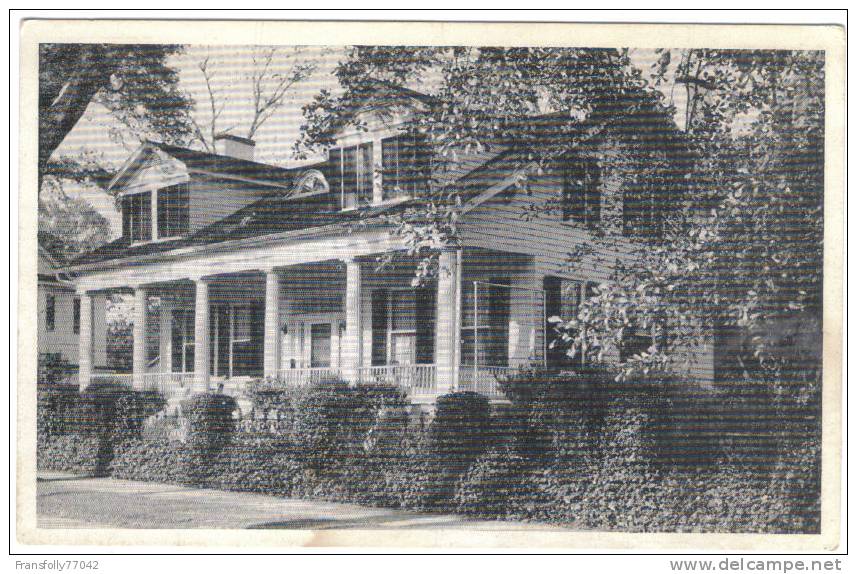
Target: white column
[448, 322]
[85, 342]
[272, 323]
[166, 335]
[352, 341]
[139, 338]
[99, 330]
[201, 336]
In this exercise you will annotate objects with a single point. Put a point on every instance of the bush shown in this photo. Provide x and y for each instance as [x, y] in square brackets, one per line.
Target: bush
[456, 437]
[78, 453]
[498, 485]
[211, 423]
[52, 369]
[151, 461]
[56, 409]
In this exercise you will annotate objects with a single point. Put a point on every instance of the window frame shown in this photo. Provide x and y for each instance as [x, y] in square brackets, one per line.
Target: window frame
[182, 209]
[361, 176]
[133, 227]
[489, 326]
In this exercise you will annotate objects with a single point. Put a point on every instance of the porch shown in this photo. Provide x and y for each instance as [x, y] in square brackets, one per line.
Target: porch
[481, 319]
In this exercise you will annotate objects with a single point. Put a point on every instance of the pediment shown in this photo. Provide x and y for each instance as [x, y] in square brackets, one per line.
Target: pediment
[156, 171]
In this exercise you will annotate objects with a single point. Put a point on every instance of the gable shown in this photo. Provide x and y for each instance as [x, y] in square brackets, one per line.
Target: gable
[157, 170]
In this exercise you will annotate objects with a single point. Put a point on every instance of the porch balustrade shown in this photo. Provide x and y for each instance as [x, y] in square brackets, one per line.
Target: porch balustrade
[307, 376]
[413, 379]
[484, 380]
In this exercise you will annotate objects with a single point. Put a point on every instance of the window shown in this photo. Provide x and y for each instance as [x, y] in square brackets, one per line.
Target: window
[485, 323]
[50, 312]
[352, 174]
[173, 211]
[404, 164]
[236, 340]
[581, 194]
[183, 341]
[403, 326]
[76, 316]
[137, 217]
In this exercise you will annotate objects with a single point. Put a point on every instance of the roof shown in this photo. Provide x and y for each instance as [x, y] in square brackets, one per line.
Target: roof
[210, 162]
[473, 172]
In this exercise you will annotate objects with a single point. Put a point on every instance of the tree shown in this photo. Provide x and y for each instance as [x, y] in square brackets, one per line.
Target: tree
[133, 82]
[745, 249]
[270, 86]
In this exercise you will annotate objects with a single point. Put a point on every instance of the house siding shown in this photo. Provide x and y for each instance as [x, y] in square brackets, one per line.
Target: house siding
[556, 247]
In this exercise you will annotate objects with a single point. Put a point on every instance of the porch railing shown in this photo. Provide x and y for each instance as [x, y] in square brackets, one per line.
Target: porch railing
[413, 379]
[484, 380]
[307, 376]
[121, 378]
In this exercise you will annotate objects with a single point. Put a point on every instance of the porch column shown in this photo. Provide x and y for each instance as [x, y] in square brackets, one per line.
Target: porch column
[352, 341]
[201, 336]
[84, 359]
[139, 337]
[448, 320]
[166, 335]
[272, 323]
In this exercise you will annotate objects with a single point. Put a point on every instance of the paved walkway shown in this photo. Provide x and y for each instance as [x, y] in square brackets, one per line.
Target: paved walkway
[66, 501]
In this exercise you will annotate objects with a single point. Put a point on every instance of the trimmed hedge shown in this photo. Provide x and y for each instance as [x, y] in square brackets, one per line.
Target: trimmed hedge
[574, 449]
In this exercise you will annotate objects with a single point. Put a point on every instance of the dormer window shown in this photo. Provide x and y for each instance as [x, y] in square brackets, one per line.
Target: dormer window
[137, 217]
[352, 174]
[171, 214]
[404, 161]
[173, 211]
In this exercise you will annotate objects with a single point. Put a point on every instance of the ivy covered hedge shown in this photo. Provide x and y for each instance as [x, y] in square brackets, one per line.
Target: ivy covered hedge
[569, 448]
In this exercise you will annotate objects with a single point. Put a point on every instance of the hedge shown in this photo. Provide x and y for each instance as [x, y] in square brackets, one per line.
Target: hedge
[574, 449]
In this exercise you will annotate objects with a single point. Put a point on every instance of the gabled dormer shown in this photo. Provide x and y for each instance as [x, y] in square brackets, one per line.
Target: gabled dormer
[168, 192]
[376, 159]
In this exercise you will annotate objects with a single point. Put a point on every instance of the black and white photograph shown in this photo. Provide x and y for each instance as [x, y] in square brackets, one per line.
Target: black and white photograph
[345, 285]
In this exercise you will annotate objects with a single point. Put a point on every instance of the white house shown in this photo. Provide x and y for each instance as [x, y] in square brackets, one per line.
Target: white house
[59, 309]
[265, 271]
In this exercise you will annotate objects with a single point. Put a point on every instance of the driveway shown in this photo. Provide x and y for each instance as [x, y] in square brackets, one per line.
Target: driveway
[66, 501]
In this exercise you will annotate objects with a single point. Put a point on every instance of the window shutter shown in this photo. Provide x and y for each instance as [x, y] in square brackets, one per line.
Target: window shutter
[333, 173]
[426, 310]
[366, 174]
[498, 304]
[379, 327]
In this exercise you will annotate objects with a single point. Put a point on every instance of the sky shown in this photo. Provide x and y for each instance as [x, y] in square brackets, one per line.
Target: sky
[229, 73]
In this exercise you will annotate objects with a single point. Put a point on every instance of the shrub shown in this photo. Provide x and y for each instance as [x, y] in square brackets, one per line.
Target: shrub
[211, 425]
[457, 436]
[150, 460]
[52, 369]
[133, 409]
[498, 485]
[78, 453]
[98, 403]
[56, 409]
[328, 421]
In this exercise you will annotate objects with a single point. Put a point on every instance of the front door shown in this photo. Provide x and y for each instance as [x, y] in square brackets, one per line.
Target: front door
[320, 346]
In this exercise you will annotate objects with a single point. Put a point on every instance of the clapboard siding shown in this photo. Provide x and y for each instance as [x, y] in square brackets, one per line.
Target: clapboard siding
[508, 223]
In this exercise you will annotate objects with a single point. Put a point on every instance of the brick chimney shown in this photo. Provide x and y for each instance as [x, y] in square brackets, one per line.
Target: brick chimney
[234, 146]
